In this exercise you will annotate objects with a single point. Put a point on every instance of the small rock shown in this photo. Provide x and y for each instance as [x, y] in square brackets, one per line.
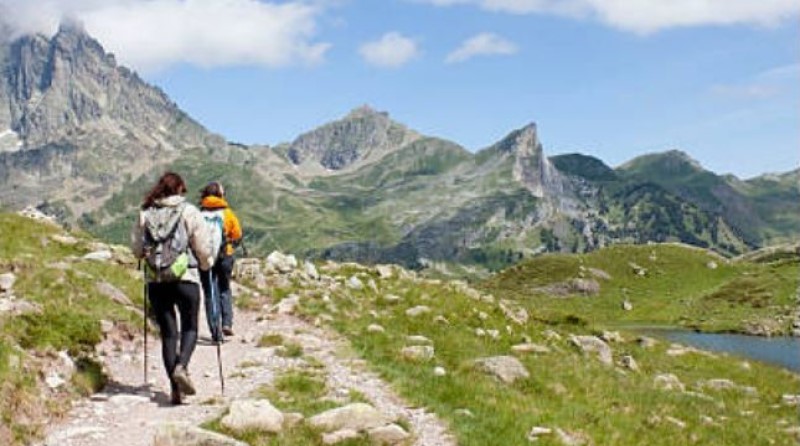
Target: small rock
[387, 435]
[530, 348]
[439, 371]
[391, 298]
[668, 381]
[99, 256]
[646, 342]
[183, 434]
[354, 283]
[292, 419]
[537, 431]
[340, 436]
[573, 438]
[612, 337]
[627, 305]
[356, 416]
[384, 271]
[464, 413]
[629, 363]
[375, 328]
[106, 326]
[441, 320]
[418, 340]
[7, 281]
[505, 368]
[250, 414]
[113, 293]
[711, 265]
[418, 311]
[418, 353]
[679, 423]
[791, 400]
[551, 335]
[311, 270]
[593, 344]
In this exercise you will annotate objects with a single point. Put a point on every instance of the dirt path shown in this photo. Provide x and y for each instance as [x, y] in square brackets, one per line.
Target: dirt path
[128, 413]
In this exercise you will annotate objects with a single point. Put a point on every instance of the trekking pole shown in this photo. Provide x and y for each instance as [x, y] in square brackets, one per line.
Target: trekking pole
[144, 318]
[217, 316]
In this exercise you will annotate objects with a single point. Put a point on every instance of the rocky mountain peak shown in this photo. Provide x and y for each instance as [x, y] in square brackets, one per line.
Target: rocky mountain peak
[362, 136]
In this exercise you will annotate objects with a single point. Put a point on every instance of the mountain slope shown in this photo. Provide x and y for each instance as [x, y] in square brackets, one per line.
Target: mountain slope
[77, 126]
[86, 138]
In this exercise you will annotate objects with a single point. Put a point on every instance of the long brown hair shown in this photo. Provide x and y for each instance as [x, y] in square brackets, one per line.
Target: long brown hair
[168, 185]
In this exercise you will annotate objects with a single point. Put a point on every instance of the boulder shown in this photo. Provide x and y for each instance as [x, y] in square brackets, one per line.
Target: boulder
[384, 271]
[595, 345]
[668, 381]
[113, 293]
[251, 414]
[281, 263]
[418, 311]
[505, 368]
[183, 434]
[7, 281]
[387, 435]
[356, 416]
[311, 270]
[340, 436]
[418, 353]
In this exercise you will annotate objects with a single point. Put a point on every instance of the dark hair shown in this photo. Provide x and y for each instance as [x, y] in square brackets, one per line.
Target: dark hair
[168, 185]
[214, 189]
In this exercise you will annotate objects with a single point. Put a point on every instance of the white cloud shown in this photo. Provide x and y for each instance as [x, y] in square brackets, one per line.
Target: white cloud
[484, 44]
[392, 50]
[770, 83]
[648, 16]
[153, 34]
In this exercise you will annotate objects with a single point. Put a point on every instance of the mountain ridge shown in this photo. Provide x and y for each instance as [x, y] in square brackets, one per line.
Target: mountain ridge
[85, 137]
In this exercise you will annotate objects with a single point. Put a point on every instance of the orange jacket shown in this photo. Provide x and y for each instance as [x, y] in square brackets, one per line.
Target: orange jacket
[233, 232]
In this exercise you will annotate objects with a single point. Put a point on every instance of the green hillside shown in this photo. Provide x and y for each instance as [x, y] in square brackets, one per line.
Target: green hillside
[64, 298]
[565, 389]
[665, 284]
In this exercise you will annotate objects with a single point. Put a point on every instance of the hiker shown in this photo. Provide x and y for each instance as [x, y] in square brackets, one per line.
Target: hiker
[214, 206]
[170, 234]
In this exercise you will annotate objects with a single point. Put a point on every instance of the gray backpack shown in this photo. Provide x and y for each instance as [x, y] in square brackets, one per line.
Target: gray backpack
[166, 243]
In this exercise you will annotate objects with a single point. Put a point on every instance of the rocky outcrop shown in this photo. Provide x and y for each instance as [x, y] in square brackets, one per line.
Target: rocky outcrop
[76, 121]
[362, 136]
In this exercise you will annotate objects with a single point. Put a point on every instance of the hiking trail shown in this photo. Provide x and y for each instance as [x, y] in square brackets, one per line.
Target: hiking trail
[129, 413]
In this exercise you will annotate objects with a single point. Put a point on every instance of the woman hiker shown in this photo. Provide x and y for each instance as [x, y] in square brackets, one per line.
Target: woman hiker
[213, 205]
[170, 235]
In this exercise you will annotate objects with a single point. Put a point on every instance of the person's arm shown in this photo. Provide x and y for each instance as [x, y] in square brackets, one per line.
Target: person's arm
[233, 231]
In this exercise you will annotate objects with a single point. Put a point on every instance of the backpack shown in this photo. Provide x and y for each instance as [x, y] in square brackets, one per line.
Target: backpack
[214, 220]
[166, 243]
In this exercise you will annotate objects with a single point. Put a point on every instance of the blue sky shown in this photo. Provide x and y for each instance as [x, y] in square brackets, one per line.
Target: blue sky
[719, 79]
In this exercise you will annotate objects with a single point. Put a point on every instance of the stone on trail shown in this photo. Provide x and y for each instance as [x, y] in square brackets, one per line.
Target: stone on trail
[356, 416]
[505, 368]
[7, 281]
[387, 435]
[252, 414]
[340, 436]
[181, 434]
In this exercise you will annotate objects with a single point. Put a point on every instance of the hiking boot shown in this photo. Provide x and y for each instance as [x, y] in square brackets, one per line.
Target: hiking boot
[175, 397]
[227, 331]
[181, 377]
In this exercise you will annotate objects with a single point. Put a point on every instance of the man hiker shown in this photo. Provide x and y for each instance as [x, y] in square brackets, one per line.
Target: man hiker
[171, 236]
[214, 208]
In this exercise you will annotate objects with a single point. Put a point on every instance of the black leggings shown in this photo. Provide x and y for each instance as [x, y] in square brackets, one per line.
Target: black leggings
[164, 297]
